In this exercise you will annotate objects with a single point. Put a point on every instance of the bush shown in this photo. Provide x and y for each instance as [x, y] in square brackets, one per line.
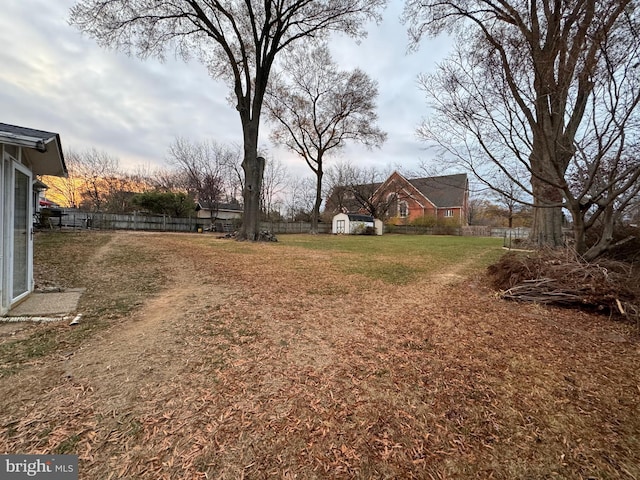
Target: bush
[428, 221]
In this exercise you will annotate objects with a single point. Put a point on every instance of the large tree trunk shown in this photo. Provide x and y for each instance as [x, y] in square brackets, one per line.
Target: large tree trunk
[315, 215]
[547, 215]
[253, 167]
[546, 230]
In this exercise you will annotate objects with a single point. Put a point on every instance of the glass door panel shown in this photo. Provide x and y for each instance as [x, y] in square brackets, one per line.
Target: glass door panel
[21, 233]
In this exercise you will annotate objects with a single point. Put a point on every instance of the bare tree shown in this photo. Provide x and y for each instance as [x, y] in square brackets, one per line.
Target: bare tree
[166, 180]
[603, 179]
[67, 189]
[339, 177]
[232, 173]
[275, 175]
[120, 190]
[299, 199]
[203, 167]
[238, 40]
[96, 182]
[508, 195]
[97, 173]
[516, 90]
[317, 109]
[352, 189]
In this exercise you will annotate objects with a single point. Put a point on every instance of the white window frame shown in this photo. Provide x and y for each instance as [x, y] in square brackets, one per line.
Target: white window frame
[401, 204]
[11, 165]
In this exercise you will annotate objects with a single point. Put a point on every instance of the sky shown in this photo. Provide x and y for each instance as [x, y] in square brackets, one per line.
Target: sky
[55, 79]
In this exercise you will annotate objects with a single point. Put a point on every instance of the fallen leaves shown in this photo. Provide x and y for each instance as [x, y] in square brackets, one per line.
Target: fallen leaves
[241, 370]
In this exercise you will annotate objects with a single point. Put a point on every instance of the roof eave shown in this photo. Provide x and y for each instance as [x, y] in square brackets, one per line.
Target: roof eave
[44, 159]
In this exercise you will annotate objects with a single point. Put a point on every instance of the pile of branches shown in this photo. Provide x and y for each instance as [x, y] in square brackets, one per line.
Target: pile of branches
[263, 236]
[564, 278]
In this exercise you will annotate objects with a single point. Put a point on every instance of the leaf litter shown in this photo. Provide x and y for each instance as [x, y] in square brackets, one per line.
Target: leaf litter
[248, 366]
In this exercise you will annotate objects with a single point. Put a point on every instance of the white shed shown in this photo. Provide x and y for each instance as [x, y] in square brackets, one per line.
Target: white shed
[354, 224]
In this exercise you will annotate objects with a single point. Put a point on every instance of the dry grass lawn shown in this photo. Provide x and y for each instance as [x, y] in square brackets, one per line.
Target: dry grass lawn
[313, 358]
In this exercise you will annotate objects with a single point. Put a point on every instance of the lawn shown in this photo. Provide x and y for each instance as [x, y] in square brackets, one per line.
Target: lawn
[314, 357]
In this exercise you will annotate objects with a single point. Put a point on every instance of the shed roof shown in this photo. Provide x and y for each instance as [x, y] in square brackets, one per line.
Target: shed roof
[42, 149]
[356, 217]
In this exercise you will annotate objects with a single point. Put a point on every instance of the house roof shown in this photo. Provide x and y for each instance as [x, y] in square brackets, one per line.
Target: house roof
[42, 149]
[229, 207]
[445, 191]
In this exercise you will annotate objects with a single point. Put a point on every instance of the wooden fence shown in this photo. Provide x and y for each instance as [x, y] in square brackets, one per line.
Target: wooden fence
[70, 218]
[109, 221]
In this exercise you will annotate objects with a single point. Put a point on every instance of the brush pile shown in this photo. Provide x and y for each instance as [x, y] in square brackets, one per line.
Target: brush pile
[563, 278]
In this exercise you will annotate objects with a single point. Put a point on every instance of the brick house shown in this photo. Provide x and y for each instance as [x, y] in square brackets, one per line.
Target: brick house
[400, 201]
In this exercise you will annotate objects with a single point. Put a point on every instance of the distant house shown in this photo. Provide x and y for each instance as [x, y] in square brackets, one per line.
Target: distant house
[24, 153]
[219, 215]
[353, 223]
[399, 200]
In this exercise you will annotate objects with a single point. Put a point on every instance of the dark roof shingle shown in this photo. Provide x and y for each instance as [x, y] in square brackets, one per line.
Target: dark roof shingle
[445, 191]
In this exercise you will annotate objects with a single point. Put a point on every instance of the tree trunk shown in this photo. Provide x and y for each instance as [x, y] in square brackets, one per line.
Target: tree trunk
[546, 230]
[579, 230]
[606, 237]
[253, 167]
[547, 215]
[315, 215]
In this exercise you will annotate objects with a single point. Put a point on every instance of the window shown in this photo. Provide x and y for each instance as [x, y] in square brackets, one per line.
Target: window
[448, 213]
[403, 209]
[392, 204]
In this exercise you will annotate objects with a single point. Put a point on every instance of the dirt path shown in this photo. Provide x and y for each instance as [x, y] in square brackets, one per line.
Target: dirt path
[150, 346]
[456, 273]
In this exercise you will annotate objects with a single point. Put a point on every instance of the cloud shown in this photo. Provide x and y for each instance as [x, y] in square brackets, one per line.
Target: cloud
[53, 78]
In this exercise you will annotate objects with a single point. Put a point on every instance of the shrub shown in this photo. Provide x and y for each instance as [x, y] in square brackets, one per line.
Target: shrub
[428, 221]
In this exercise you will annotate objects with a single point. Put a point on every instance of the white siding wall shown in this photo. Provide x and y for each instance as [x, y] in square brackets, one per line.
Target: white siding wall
[336, 223]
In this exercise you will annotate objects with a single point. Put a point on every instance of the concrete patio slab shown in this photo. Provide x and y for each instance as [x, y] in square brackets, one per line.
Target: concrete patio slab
[48, 304]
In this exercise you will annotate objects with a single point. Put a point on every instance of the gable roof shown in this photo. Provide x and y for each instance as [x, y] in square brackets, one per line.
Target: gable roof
[444, 191]
[42, 149]
[398, 182]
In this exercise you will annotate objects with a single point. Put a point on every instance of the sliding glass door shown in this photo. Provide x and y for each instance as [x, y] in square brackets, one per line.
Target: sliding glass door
[21, 275]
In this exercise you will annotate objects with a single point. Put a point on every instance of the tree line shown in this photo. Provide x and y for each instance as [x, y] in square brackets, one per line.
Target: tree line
[199, 172]
[208, 173]
[542, 95]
